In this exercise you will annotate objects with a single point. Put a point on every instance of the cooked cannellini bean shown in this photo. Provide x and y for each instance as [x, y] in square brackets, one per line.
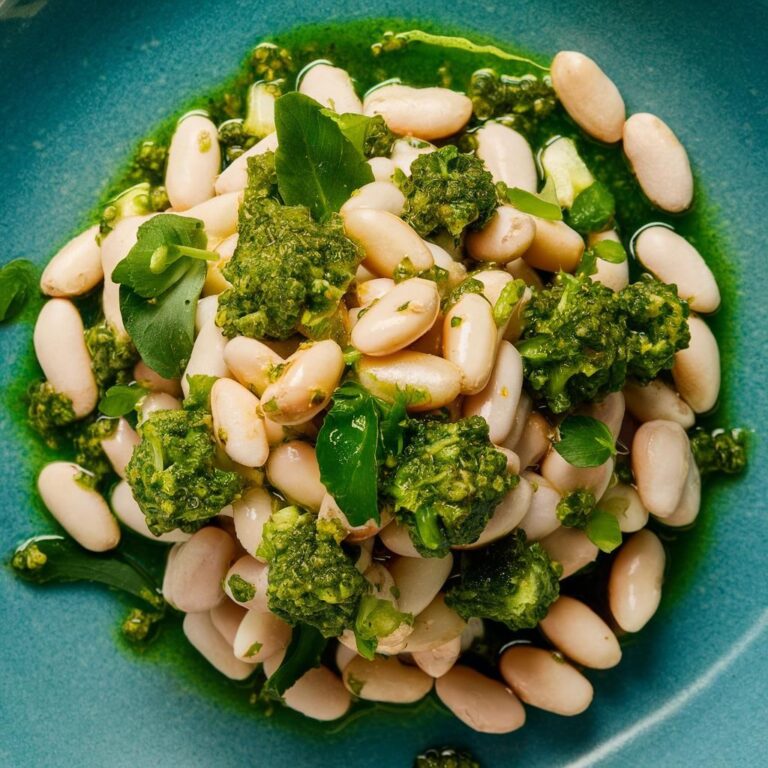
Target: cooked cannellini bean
[63, 356]
[541, 518]
[219, 217]
[428, 113]
[193, 577]
[76, 268]
[343, 656]
[226, 617]
[437, 381]
[207, 357]
[624, 502]
[330, 86]
[634, 586]
[659, 161]
[372, 290]
[205, 310]
[194, 159]
[250, 513]
[330, 510]
[507, 155]
[485, 705]
[119, 446]
[507, 236]
[255, 574]
[475, 630]
[419, 580]
[129, 513]
[690, 500]
[385, 679]
[493, 281]
[305, 385]
[153, 381]
[436, 625]
[208, 641]
[260, 635]
[379, 195]
[251, 362]
[382, 168]
[238, 424]
[406, 150]
[673, 260]
[386, 240]
[660, 460]
[524, 408]
[696, 370]
[292, 468]
[234, 177]
[580, 634]
[555, 247]
[566, 478]
[520, 270]
[613, 276]
[533, 443]
[469, 341]
[588, 95]
[455, 269]
[513, 460]
[543, 680]
[401, 316]
[657, 400]
[395, 538]
[81, 511]
[440, 660]
[158, 401]
[610, 410]
[318, 694]
[571, 548]
[497, 401]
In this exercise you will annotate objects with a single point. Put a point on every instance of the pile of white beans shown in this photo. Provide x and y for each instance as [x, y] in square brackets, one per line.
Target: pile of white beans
[471, 367]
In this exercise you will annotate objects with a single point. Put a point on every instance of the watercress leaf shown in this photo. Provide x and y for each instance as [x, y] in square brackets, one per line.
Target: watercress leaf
[317, 165]
[121, 399]
[610, 250]
[603, 530]
[585, 442]
[527, 202]
[593, 209]
[304, 653]
[17, 282]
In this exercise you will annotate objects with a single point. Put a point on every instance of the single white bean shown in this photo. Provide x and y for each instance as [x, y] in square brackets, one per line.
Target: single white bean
[63, 356]
[493, 281]
[657, 400]
[343, 656]
[457, 272]
[208, 641]
[436, 625]
[419, 580]
[696, 370]
[524, 408]
[543, 680]
[330, 86]
[305, 385]
[506, 237]
[659, 161]
[226, 617]
[396, 539]
[153, 381]
[238, 424]
[634, 586]
[372, 290]
[613, 276]
[406, 150]
[255, 574]
[80, 510]
[541, 518]
[386, 240]
[485, 705]
[158, 401]
[76, 268]
[385, 679]
[555, 247]
[624, 502]
[207, 357]
[566, 477]
[194, 159]
[318, 694]
[580, 634]
[379, 195]
[428, 113]
[440, 660]
[690, 500]
[513, 460]
[260, 635]
[571, 548]
[129, 513]
[250, 514]
[219, 217]
[292, 468]
[119, 446]
[589, 96]
[382, 168]
[251, 362]
[533, 442]
[507, 155]
[234, 177]
[205, 310]
[520, 270]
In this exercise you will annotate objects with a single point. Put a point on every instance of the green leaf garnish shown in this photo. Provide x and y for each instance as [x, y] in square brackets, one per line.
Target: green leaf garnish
[510, 295]
[304, 653]
[593, 209]
[353, 126]
[607, 250]
[603, 530]
[585, 442]
[17, 281]
[533, 204]
[121, 399]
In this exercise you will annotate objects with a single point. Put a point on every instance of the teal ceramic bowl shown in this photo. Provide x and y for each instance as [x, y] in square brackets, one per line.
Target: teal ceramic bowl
[81, 82]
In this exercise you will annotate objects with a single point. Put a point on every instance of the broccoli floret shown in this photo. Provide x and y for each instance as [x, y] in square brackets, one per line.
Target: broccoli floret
[447, 482]
[173, 471]
[149, 163]
[511, 582]
[242, 590]
[138, 625]
[447, 190]
[719, 450]
[574, 509]
[379, 139]
[445, 758]
[376, 618]
[288, 273]
[48, 411]
[89, 454]
[312, 580]
[112, 356]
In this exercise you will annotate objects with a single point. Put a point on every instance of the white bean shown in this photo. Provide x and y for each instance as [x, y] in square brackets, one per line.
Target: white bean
[571, 548]
[260, 635]
[330, 86]
[305, 385]
[395, 538]
[555, 247]
[386, 240]
[251, 362]
[533, 443]
[419, 580]
[457, 272]
[506, 237]
[406, 150]
[659, 161]
[382, 168]
[657, 400]
[255, 574]
[250, 514]
[207, 357]
[660, 459]
[580, 634]
[80, 510]
[385, 679]
[119, 446]
[234, 177]
[194, 159]
[436, 625]
[624, 502]
[292, 468]
[485, 705]
[158, 401]
[208, 641]
[493, 281]
[541, 518]
[63, 356]
[440, 660]
[690, 500]
[226, 617]
[330, 510]
[589, 96]
[129, 513]
[520, 270]
[153, 381]
[696, 370]
[428, 113]
[372, 290]
[507, 155]
[76, 268]
[524, 408]
[205, 310]
[219, 217]
[610, 410]
[613, 276]
[634, 586]
[379, 195]
[343, 656]
[566, 477]
[238, 424]
[318, 694]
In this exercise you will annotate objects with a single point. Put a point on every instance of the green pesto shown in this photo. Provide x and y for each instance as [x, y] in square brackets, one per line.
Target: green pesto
[574, 509]
[242, 590]
[112, 357]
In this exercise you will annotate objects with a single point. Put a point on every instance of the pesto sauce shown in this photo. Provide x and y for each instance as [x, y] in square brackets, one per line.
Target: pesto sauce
[348, 45]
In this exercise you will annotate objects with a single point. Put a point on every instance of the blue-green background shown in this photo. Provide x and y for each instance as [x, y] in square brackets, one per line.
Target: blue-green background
[80, 82]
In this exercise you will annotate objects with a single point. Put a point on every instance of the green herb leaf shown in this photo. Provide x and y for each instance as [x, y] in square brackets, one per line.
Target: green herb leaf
[316, 164]
[593, 209]
[610, 250]
[17, 282]
[603, 530]
[585, 442]
[510, 295]
[353, 126]
[121, 399]
[304, 653]
[533, 204]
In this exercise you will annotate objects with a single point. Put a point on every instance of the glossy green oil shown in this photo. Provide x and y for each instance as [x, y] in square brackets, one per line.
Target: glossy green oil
[349, 45]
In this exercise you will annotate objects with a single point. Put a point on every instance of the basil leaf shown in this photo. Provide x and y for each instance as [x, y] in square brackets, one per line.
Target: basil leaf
[17, 281]
[121, 399]
[610, 251]
[304, 653]
[533, 204]
[603, 530]
[317, 165]
[585, 442]
[592, 210]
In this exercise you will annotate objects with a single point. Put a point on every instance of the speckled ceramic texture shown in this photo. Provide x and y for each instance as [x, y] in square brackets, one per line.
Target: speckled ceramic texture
[80, 82]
